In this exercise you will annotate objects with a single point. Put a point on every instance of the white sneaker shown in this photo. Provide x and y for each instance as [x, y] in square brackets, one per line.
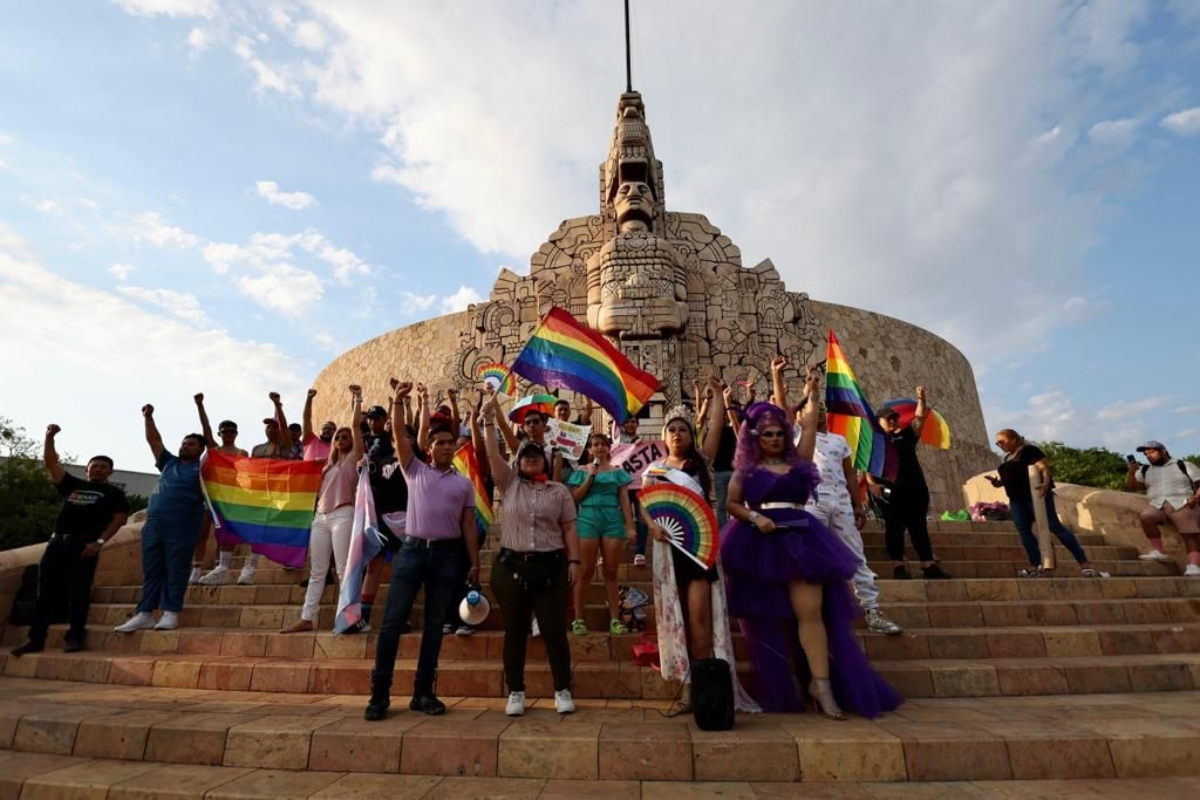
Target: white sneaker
[1155, 555]
[563, 703]
[140, 621]
[535, 630]
[247, 575]
[516, 704]
[169, 621]
[194, 578]
[1193, 571]
[217, 576]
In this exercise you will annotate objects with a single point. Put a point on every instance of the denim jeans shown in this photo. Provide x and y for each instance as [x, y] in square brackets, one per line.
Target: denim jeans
[414, 566]
[63, 571]
[721, 483]
[1023, 517]
[167, 547]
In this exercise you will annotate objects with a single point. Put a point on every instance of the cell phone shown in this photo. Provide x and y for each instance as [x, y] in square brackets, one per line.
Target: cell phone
[1130, 458]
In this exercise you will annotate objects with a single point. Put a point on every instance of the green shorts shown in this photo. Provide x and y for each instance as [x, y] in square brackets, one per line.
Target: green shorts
[600, 523]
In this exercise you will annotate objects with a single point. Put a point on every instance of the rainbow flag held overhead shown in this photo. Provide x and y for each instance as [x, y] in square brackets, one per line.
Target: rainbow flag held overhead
[566, 354]
[263, 502]
[849, 414]
[467, 463]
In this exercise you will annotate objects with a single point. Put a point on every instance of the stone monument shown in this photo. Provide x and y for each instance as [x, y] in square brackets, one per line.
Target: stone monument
[670, 290]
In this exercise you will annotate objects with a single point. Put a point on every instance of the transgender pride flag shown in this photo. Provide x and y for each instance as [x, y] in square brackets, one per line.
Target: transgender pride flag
[364, 546]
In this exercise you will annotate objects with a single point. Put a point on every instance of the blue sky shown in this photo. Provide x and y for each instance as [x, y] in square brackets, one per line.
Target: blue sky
[221, 196]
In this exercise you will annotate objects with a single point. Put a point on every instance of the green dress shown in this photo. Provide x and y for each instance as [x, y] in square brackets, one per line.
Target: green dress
[600, 510]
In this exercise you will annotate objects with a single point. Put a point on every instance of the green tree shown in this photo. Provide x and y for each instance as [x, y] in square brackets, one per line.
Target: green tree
[29, 502]
[1094, 466]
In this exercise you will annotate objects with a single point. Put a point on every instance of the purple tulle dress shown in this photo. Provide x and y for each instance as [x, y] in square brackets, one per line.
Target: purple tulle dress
[758, 568]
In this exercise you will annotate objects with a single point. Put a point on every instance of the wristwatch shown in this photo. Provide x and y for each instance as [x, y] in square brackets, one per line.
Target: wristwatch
[753, 516]
[101, 541]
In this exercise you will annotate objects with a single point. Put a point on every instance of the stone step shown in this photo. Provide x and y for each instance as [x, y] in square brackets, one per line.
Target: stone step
[1007, 588]
[608, 679]
[65, 738]
[1035, 612]
[917, 643]
[1007, 552]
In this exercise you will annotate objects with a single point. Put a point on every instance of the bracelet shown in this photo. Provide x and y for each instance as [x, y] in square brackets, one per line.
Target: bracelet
[574, 561]
[753, 517]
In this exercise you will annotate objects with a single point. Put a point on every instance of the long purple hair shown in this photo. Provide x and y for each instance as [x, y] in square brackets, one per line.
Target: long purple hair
[758, 416]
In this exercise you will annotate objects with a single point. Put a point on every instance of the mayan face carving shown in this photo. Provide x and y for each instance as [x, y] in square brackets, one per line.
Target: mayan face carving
[637, 285]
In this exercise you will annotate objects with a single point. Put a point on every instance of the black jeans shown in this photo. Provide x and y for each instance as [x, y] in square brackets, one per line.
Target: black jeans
[517, 606]
[63, 571]
[435, 568]
[464, 567]
[907, 508]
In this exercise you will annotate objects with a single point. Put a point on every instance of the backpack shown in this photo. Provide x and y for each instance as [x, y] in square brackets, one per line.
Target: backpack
[1179, 462]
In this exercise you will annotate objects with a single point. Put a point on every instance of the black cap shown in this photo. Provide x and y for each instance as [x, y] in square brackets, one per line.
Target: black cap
[375, 411]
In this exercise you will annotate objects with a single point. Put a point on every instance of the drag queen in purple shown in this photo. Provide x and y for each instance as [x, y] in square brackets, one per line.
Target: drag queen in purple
[787, 574]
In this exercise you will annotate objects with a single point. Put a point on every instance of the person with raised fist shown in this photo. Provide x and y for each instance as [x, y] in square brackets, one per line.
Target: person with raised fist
[92, 512]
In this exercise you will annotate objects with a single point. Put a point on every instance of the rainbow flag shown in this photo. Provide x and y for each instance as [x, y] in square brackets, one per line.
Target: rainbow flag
[849, 414]
[466, 462]
[265, 503]
[563, 353]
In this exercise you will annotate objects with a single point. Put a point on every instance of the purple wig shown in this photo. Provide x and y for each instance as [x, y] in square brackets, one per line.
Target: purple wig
[758, 416]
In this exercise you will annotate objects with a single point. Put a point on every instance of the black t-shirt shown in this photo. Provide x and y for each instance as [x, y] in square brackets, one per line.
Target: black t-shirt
[908, 466]
[87, 508]
[1014, 472]
[725, 450]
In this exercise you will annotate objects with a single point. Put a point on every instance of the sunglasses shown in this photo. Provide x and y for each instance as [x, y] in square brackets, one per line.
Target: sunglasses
[771, 435]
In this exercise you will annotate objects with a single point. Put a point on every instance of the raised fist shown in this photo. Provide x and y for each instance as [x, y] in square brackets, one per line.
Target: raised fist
[355, 390]
[394, 383]
[274, 397]
[147, 410]
[312, 393]
[921, 393]
[52, 430]
[403, 389]
[199, 398]
[778, 363]
[452, 395]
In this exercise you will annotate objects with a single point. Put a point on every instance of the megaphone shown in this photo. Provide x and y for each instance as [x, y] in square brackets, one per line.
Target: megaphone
[474, 608]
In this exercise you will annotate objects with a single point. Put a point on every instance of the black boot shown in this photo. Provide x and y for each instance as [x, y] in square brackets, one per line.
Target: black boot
[425, 701]
[28, 647]
[935, 573]
[377, 706]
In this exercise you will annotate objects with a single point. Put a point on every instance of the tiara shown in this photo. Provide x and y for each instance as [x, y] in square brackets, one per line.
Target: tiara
[679, 411]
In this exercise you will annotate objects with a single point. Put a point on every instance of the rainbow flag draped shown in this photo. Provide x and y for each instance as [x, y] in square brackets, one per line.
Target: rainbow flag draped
[565, 354]
[849, 414]
[263, 502]
[467, 463]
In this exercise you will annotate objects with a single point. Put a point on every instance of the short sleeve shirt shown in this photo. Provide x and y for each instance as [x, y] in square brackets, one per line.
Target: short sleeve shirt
[1014, 473]
[87, 508]
[178, 493]
[908, 467]
[830, 455]
[436, 500]
[1168, 483]
[315, 449]
[605, 489]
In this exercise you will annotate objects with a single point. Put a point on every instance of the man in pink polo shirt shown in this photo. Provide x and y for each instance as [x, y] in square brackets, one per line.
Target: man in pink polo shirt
[316, 448]
[441, 516]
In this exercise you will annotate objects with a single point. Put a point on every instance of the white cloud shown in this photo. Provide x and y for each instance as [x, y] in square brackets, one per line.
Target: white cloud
[1123, 410]
[1192, 409]
[1055, 416]
[120, 271]
[43, 206]
[1080, 309]
[168, 8]
[166, 360]
[266, 249]
[5, 139]
[88, 203]
[284, 288]
[4, 164]
[309, 35]
[1184, 123]
[459, 301]
[184, 306]
[412, 303]
[198, 40]
[269, 191]
[266, 77]
[1117, 134]
[149, 226]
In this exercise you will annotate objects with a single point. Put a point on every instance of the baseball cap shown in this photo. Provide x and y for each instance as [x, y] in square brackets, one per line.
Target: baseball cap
[375, 411]
[1152, 445]
[270, 421]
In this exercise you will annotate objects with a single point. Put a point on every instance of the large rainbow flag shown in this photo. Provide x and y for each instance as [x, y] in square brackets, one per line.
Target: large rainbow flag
[263, 502]
[849, 414]
[467, 463]
[565, 354]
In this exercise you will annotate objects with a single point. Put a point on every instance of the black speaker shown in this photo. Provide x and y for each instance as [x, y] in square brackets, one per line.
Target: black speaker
[712, 694]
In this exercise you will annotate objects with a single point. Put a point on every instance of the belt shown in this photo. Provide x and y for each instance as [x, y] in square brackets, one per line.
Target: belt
[779, 506]
[430, 544]
[533, 557]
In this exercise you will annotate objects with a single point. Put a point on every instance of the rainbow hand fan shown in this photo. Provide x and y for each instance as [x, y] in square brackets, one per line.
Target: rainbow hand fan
[934, 431]
[687, 519]
[495, 375]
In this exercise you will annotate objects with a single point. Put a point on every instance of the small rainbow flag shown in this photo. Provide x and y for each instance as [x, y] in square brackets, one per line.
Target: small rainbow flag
[496, 375]
[265, 503]
[466, 462]
[849, 414]
[934, 430]
[565, 354]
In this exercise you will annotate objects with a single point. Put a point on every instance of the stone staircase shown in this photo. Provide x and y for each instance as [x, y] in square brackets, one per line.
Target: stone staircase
[1064, 679]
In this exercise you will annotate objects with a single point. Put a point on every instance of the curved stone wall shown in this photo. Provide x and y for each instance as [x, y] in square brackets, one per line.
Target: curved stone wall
[890, 358]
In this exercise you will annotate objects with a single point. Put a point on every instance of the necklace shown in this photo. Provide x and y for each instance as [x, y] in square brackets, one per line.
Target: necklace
[772, 462]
